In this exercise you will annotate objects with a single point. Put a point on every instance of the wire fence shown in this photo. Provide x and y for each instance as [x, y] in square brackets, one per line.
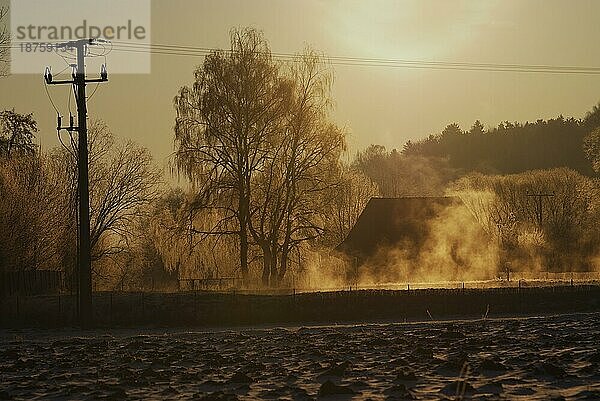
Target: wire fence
[202, 308]
[516, 280]
[29, 283]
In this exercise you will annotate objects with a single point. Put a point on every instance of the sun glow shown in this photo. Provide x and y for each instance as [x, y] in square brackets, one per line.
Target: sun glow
[403, 29]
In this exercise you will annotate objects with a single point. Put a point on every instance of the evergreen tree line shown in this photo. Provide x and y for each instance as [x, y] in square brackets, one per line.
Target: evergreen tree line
[513, 147]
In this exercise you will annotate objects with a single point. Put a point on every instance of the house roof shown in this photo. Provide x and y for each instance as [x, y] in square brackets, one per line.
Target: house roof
[391, 221]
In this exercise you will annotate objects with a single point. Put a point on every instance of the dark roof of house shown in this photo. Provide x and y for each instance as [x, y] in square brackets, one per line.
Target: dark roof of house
[391, 221]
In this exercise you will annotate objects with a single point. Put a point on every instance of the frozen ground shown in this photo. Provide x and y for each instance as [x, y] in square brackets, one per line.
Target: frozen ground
[528, 358]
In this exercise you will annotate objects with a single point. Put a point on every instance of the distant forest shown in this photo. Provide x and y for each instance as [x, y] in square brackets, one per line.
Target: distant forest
[512, 147]
[425, 167]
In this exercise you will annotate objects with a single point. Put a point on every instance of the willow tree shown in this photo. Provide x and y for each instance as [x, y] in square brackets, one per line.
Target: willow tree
[225, 123]
[294, 187]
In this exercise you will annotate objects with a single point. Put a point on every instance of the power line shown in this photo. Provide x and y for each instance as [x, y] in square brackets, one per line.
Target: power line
[192, 51]
[166, 49]
[50, 98]
[344, 58]
[93, 92]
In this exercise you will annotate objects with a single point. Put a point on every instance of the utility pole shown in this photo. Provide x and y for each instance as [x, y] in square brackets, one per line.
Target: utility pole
[79, 81]
[539, 208]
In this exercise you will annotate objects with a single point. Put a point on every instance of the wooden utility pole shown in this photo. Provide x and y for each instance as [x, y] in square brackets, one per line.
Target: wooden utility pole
[79, 82]
[539, 208]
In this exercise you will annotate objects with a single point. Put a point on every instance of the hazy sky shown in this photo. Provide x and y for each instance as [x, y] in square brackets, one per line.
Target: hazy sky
[380, 105]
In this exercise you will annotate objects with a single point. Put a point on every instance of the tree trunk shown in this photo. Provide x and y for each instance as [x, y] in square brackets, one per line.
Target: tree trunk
[266, 275]
[273, 280]
[243, 219]
[244, 255]
[285, 248]
[283, 265]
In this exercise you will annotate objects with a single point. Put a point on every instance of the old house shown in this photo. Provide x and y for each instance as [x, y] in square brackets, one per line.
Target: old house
[410, 228]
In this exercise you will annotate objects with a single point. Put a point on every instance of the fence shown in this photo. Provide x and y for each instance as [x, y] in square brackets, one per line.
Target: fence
[31, 282]
[208, 284]
[204, 309]
[516, 282]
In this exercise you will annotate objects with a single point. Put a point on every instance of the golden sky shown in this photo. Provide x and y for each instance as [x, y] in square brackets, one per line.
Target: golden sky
[380, 105]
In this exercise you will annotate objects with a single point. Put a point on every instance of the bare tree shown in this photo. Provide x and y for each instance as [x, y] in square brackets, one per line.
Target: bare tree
[293, 186]
[550, 214]
[223, 128]
[17, 132]
[182, 253]
[38, 196]
[123, 182]
[32, 224]
[34, 219]
[255, 138]
[350, 197]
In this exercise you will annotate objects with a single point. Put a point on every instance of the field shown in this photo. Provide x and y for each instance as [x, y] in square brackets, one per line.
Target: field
[535, 358]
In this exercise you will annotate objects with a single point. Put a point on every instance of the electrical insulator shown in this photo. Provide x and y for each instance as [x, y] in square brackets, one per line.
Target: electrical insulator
[48, 75]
